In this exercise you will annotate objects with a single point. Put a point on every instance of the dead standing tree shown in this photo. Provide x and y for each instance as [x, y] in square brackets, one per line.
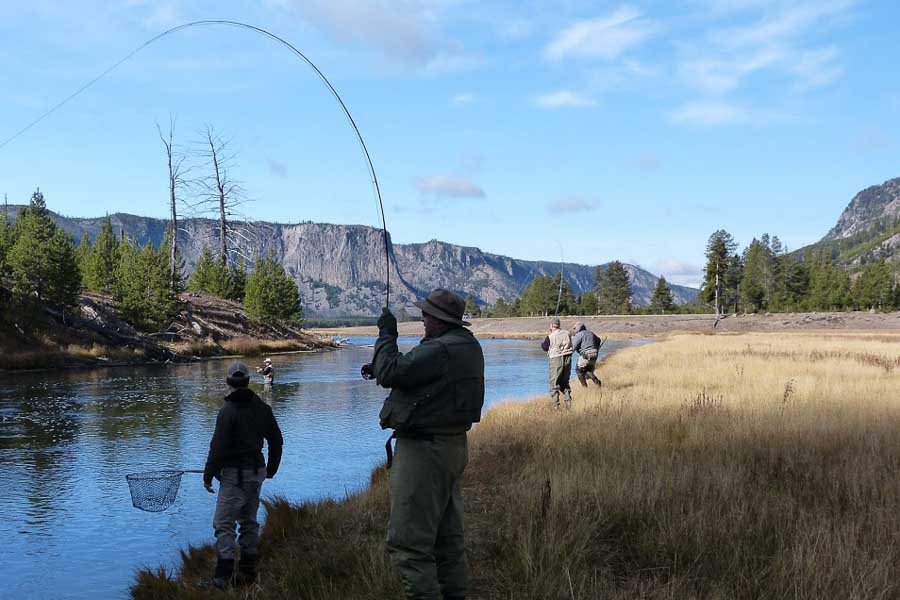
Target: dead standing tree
[177, 181]
[218, 192]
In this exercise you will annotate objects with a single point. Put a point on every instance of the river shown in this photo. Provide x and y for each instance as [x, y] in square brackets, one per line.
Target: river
[67, 439]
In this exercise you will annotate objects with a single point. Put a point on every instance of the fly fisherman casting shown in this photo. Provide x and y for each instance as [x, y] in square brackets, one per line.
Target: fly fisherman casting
[437, 392]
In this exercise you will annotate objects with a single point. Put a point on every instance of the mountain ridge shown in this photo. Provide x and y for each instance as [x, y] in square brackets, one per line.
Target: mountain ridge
[339, 269]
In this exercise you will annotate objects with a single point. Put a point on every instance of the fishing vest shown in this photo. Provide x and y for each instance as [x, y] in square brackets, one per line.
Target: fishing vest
[560, 344]
[448, 405]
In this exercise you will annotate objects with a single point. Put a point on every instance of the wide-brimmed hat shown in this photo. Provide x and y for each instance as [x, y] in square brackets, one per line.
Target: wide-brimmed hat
[444, 305]
[238, 375]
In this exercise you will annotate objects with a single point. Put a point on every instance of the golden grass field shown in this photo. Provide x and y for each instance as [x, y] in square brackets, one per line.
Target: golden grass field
[743, 466]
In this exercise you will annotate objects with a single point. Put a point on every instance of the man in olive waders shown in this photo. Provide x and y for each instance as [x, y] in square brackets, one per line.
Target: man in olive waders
[437, 391]
[558, 346]
[236, 460]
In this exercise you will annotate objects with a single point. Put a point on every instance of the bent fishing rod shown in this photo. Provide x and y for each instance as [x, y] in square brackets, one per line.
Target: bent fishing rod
[298, 54]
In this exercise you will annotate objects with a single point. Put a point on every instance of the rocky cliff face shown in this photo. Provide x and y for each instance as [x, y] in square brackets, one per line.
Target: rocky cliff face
[867, 209]
[340, 269]
[868, 229]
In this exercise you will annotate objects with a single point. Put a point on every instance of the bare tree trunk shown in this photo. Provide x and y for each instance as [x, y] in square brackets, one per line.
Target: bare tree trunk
[176, 179]
[220, 196]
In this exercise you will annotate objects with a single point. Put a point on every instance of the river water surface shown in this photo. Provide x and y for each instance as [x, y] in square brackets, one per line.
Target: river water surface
[67, 439]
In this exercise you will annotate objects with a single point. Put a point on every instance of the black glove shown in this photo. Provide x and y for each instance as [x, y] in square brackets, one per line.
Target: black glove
[367, 371]
[387, 322]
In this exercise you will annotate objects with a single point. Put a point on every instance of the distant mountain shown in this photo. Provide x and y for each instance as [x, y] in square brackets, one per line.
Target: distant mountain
[339, 269]
[867, 230]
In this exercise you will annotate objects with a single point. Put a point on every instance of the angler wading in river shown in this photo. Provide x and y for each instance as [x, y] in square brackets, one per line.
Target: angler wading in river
[437, 392]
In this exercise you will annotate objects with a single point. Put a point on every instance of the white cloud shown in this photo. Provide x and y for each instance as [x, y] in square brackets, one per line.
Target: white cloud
[709, 114]
[679, 272]
[572, 204]
[407, 32]
[776, 41]
[462, 99]
[601, 37]
[516, 29]
[563, 99]
[448, 186]
[646, 163]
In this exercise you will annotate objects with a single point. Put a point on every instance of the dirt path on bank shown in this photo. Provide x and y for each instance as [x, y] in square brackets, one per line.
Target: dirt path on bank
[630, 326]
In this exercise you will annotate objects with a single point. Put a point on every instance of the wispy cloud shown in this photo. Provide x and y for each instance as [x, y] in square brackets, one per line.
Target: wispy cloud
[679, 272]
[604, 37]
[448, 186]
[407, 33]
[645, 162]
[777, 41]
[278, 168]
[563, 99]
[462, 99]
[572, 204]
[709, 114]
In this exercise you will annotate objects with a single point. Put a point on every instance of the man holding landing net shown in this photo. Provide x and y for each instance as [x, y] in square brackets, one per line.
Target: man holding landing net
[236, 460]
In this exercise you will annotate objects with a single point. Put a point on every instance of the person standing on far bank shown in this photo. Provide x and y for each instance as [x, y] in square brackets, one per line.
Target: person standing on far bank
[558, 346]
[587, 345]
[437, 392]
[236, 460]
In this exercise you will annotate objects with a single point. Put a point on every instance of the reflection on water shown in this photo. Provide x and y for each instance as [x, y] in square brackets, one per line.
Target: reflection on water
[68, 439]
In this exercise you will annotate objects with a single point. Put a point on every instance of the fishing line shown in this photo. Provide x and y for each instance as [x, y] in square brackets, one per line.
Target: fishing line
[300, 55]
[561, 261]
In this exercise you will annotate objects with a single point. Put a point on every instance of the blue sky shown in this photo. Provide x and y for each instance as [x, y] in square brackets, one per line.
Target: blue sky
[615, 130]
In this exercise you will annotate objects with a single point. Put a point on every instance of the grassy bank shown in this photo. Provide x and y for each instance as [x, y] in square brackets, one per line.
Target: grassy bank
[244, 346]
[738, 466]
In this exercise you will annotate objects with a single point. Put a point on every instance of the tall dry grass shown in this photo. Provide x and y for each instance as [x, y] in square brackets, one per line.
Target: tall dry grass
[745, 466]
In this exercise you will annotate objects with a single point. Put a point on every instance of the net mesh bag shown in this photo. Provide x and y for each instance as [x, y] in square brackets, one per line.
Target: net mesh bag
[154, 491]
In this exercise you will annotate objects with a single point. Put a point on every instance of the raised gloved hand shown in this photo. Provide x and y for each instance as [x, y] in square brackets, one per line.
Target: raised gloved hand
[367, 371]
[387, 322]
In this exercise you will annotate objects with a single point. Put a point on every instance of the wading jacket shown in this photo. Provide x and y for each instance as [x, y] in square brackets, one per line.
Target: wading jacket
[436, 388]
[585, 342]
[242, 425]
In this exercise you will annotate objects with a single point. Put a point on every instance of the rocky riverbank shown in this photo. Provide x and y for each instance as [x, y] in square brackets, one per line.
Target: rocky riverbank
[96, 335]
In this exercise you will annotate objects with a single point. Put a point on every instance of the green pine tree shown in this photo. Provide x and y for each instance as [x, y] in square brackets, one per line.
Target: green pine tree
[614, 295]
[237, 280]
[588, 305]
[539, 296]
[271, 295]
[100, 264]
[720, 248]
[753, 283]
[7, 239]
[472, 307]
[42, 258]
[143, 288]
[662, 301]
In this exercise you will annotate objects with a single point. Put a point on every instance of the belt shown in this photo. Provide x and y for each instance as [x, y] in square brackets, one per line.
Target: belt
[411, 435]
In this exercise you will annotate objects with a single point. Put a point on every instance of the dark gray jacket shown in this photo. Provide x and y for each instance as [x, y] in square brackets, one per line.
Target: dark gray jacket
[584, 341]
[242, 425]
